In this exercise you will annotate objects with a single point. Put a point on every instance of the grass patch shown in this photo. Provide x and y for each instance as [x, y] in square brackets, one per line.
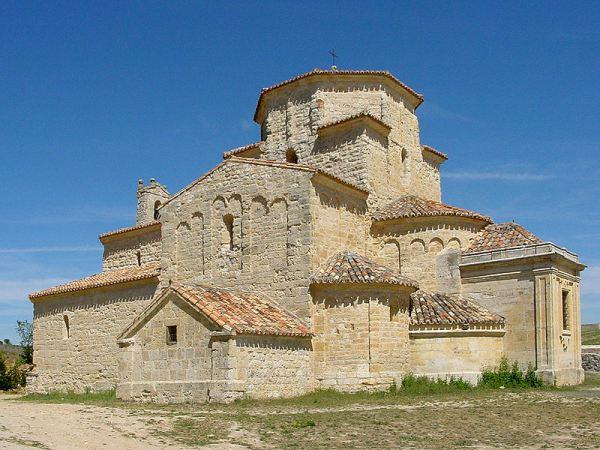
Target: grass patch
[101, 398]
[590, 335]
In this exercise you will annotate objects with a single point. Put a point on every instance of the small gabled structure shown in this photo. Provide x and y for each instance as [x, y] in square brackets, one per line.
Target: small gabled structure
[360, 322]
[199, 343]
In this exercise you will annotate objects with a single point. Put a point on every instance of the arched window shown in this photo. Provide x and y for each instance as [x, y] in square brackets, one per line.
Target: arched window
[228, 221]
[291, 156]
[156, 212]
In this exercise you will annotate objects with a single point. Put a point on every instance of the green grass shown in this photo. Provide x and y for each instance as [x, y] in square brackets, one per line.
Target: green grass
[590, 335]
[102, 398]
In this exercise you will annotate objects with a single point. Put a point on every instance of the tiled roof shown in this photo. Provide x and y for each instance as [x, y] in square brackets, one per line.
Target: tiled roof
[430, 308]
[356, 118]
[243, 312]
[348, 267]
[413, 206]
[434, 151]
[502, 235]
[102, 279]
[129, 229]
[238, 150]
[320, 72]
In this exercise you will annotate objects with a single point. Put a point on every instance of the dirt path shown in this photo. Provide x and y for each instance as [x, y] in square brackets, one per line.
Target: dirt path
[25, 425]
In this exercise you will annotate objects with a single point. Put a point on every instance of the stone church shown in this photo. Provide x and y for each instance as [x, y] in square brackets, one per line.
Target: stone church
[321, 256]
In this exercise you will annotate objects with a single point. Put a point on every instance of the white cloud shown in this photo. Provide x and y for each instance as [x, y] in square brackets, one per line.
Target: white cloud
[496, 175]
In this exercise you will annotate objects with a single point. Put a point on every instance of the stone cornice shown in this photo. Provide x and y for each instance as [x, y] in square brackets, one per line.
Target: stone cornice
[527, 253]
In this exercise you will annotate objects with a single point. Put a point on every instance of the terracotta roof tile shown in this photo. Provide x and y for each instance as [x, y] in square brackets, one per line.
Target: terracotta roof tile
[238, 150]
[243, 312]
[413, 206]
[348, 267]
[431, 308]
[502, 235]
[434, 151]
[129, 229]
[320, 72]
[102, 279]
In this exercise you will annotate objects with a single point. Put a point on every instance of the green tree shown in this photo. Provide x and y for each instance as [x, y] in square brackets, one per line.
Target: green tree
[4, 378]
[25, 332]
[7, 341]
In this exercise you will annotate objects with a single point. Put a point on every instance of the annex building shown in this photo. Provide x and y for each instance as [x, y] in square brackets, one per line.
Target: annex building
[321, 256]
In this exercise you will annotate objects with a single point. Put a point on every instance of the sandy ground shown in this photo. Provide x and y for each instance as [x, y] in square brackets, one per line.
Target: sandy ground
[25, 425]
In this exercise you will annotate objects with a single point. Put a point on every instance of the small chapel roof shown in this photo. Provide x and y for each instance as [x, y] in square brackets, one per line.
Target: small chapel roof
[337, 73]
[434, 151]
[413, 206]
[502, 235]
[241, 312]
[349, 267]
[432, 308]
[236, 151]
[128, 230]
[362, 117]
[108, 278]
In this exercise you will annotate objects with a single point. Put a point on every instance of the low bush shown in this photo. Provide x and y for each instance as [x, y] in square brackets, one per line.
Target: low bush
[510, 376]
[10, 377]
[412, 384]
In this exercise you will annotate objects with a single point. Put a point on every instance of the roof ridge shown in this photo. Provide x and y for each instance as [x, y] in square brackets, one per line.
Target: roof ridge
[411, 205]
[101, 279]
[351, 267]
[129, 229]
[317, 72]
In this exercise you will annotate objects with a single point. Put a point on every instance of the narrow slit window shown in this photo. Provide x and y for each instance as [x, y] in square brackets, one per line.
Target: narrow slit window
[156, 210]
[172, 334]
[291, 156]
[67, 328]
[228, 220]
[566, 311]
[139, 258]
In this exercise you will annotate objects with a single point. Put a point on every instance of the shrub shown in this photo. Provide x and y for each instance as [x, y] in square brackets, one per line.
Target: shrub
[510, 376]
[11, 377]
[423, 385]
[5, 384]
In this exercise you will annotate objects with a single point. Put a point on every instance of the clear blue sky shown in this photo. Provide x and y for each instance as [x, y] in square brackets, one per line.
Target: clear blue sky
[94, 95]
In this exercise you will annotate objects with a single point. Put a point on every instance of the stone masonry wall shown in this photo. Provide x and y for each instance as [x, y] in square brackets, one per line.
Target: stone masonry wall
[590, 361]
[124, 251]
[85, 355]
[528, 293]
[420, 248]
[340, 222]
[245, 227]
[443, 353]
[360, 336]
[152, 369]
[295, 113]
[271, 367]
[512, 296]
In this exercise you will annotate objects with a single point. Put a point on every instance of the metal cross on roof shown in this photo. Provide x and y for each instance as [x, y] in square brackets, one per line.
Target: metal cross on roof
[333, 56]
